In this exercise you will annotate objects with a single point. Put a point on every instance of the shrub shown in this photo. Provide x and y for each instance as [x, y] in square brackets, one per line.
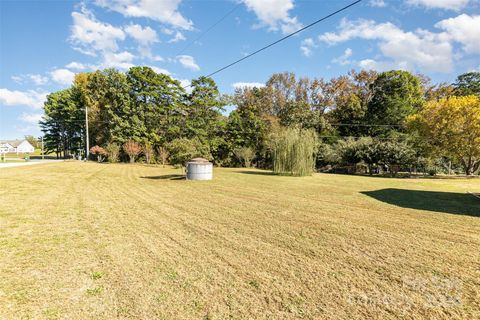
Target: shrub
[148, 152]
[245, 155]
[183, 149]
[294, 151]
[132, 149]
[163, 155]
[99, 152]
[113, 152]
[352, 151]
[394, 154]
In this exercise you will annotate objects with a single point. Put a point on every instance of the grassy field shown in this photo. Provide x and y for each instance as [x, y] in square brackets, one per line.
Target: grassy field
[101, 241]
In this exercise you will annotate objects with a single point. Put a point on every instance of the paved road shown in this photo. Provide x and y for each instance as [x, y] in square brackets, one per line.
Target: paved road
[29, 163]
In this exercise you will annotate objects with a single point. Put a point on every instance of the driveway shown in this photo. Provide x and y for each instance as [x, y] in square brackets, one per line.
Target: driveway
[26, 163]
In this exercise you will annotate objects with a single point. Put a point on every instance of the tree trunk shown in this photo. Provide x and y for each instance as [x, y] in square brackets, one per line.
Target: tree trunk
[476, 167]
[468, 166]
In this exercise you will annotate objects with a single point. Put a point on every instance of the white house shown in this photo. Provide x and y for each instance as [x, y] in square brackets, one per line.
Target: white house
[16, 146]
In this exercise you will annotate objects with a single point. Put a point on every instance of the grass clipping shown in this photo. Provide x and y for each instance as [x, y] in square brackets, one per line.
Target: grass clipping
[294, 151]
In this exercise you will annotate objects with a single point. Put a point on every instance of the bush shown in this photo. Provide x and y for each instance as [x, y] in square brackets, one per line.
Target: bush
[395, 154]
[99, 152]
[163, 155]
[132, 149]
[148, 152]
[245, 155]
[113, 152]
[351, 152]
[183, 149]
[294, 151]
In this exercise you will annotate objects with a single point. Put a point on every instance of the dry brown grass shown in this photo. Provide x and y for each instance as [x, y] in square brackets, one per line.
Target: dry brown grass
[101, 241]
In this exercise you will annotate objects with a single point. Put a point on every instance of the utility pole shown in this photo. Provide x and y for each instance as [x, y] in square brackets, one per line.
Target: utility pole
[86, 133]
[43, 153]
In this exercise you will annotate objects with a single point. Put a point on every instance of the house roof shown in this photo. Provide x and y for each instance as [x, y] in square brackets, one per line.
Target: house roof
[13, 143]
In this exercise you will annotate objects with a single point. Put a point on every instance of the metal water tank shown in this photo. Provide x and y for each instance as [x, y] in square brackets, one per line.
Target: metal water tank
[199, 169]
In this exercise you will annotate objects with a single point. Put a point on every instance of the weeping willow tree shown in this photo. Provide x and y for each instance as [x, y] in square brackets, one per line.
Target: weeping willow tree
[294, 151]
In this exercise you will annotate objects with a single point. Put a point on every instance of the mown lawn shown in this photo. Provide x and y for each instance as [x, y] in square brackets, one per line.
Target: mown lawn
[101, 241]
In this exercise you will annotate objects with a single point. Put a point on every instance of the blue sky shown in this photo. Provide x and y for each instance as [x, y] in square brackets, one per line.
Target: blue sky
[43, 43]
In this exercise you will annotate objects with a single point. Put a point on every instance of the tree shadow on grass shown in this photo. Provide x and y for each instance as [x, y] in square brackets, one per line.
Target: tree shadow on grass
[446, 202]
[261, 173]
[166, 177]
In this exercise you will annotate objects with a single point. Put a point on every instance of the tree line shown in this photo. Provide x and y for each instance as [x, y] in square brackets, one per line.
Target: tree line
[363, 121]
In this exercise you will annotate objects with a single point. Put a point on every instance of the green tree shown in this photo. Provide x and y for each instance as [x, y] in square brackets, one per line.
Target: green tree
[296, 102]
[245, 155]
[352, 151]
[394, 154]
[63, 123]
[350, 98]
[294, 151]
[204, 119]
[249, 125]
[158, 106]
[182, 150]
[148, 152]
[113, 152]
[468, 84]
[111, 111]
[395, 95]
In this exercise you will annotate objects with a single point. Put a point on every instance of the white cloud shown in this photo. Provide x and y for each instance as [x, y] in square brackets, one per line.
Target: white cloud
[120, 60]
[31, 118]
[377, 3]
[36, 79]
[17, 79]
[178, 37]
[167, 31]
[307, 47]
[410, 50]
[30, 98]
[241, 85]
[188, 62]
[274, 14]
[76, 66]
[464, 29]
[160, 70]
[62, 76]
[164, 11]
[145, 36]
[185, 83]
[440, 4]
[343, 59]
[371, 64]
[91, 36]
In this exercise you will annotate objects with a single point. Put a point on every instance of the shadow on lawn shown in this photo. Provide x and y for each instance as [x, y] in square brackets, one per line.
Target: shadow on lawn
[261, 173]
[166, 177]
[447, 202]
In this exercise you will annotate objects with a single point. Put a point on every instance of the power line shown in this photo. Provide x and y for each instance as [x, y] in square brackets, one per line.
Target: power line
[282, 39]
[331, 124]
[364, 125]
[357, 137]
[188, 45]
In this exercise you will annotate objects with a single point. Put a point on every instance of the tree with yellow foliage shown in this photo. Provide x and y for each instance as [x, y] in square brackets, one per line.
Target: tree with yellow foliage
[452, 127]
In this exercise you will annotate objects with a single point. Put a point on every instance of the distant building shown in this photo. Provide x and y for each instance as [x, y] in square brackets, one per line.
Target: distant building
[16, 146]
